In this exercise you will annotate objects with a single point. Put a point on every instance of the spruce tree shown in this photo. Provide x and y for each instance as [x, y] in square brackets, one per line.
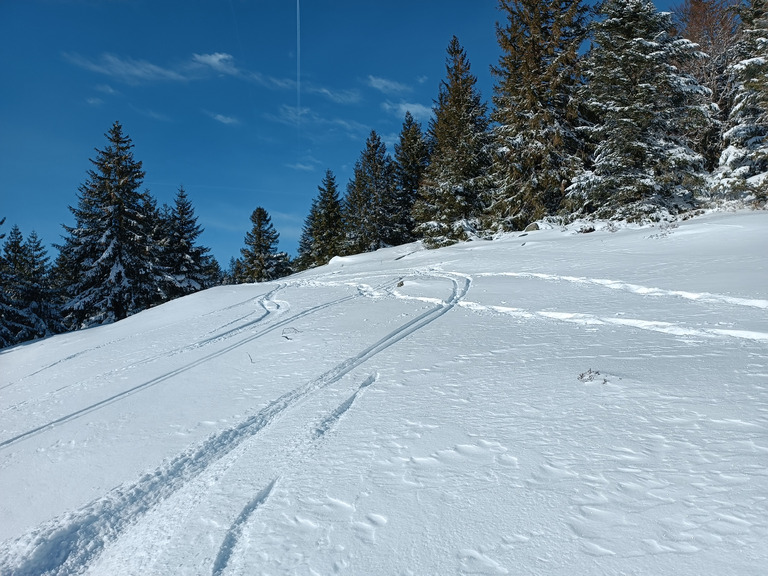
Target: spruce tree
[411, 161]
[33, 311]
[304, 254]
[537, 150]
[449, 202]
[109, 249]
[323, 233]
[743, 169]
[261, 262]
[6, 310]
[644, 109]
[370, 209]
[186, 262]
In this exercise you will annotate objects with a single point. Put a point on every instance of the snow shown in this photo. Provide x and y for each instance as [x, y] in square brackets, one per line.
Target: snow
[546, 403]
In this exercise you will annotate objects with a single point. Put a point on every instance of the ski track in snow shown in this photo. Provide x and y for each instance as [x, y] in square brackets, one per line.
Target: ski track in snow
[592, 320]
[69, 544]
[637, 289]
[164, 377]
[235, 531]
[260, 299]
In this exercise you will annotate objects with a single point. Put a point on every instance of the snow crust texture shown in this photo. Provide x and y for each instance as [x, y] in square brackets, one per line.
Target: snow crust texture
[547, 403]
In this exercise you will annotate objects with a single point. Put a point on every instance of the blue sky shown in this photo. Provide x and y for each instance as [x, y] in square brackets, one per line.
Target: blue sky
[217, 96]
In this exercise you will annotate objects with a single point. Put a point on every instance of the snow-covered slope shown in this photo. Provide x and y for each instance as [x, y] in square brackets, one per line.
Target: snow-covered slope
[548, 403]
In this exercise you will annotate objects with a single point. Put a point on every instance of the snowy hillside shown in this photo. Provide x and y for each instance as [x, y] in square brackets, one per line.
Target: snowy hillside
[550, 403]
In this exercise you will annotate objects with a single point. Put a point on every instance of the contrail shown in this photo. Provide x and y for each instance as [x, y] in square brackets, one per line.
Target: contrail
[298, 74]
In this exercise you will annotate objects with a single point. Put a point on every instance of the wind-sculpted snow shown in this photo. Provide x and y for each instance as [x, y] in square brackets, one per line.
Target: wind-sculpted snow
[552, 404]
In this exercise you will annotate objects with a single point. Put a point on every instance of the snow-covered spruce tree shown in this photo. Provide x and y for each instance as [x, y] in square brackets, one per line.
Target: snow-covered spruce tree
[369, 208]
[6, 310]
[743, 170]
[261, 262]
[112, 274]
[449, 202]
[411, 160]
[644, 109]
[714, 26]
[304, 259]
[322, 237]
[185, 261]
[537, 150]
[33, 312]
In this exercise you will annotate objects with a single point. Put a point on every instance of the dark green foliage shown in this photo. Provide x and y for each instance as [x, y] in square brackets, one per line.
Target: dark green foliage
[28, 309]
[322, 237]
[370, 207]
[109, 252]
[261, 262]
[644, 111]
[744, 161]
[537, 148]
[411, 161]
[189, 266]
[449, 196]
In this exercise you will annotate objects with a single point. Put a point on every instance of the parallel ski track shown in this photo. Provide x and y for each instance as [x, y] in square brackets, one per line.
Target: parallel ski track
[68, 544]
[173, 373]
[234, 533]
[260, 299]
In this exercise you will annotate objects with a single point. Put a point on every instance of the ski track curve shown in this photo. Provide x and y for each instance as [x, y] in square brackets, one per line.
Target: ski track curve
[162, 378]
[260, 299]
[68, 544]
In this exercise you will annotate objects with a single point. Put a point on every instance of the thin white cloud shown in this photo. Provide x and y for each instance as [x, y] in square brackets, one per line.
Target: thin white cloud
[301, 167]
[218, 61]
[337, 96]
[94, 101]
[126, 70]
[420, 112]
[228, 120]
[290, 116]
[149, 113]
[106, 89]
[387, 86]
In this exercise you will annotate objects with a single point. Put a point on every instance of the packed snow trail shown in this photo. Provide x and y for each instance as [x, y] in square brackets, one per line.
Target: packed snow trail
[69, 544]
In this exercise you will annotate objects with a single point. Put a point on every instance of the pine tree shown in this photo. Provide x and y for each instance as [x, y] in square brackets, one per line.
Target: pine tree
[31, 311]
[411, 161]
[304, 257]
[537, 148]
[261, 262]
[323, 233]
[12, 261]
[449, 202]
[743, 169]
[186, 262]
[6, 310]
[112, 272]
[714, 26]
[370, 204]
[644, 108]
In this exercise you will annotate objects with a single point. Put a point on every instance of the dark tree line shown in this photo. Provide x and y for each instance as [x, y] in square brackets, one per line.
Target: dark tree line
[663, 113]
[122, 255]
